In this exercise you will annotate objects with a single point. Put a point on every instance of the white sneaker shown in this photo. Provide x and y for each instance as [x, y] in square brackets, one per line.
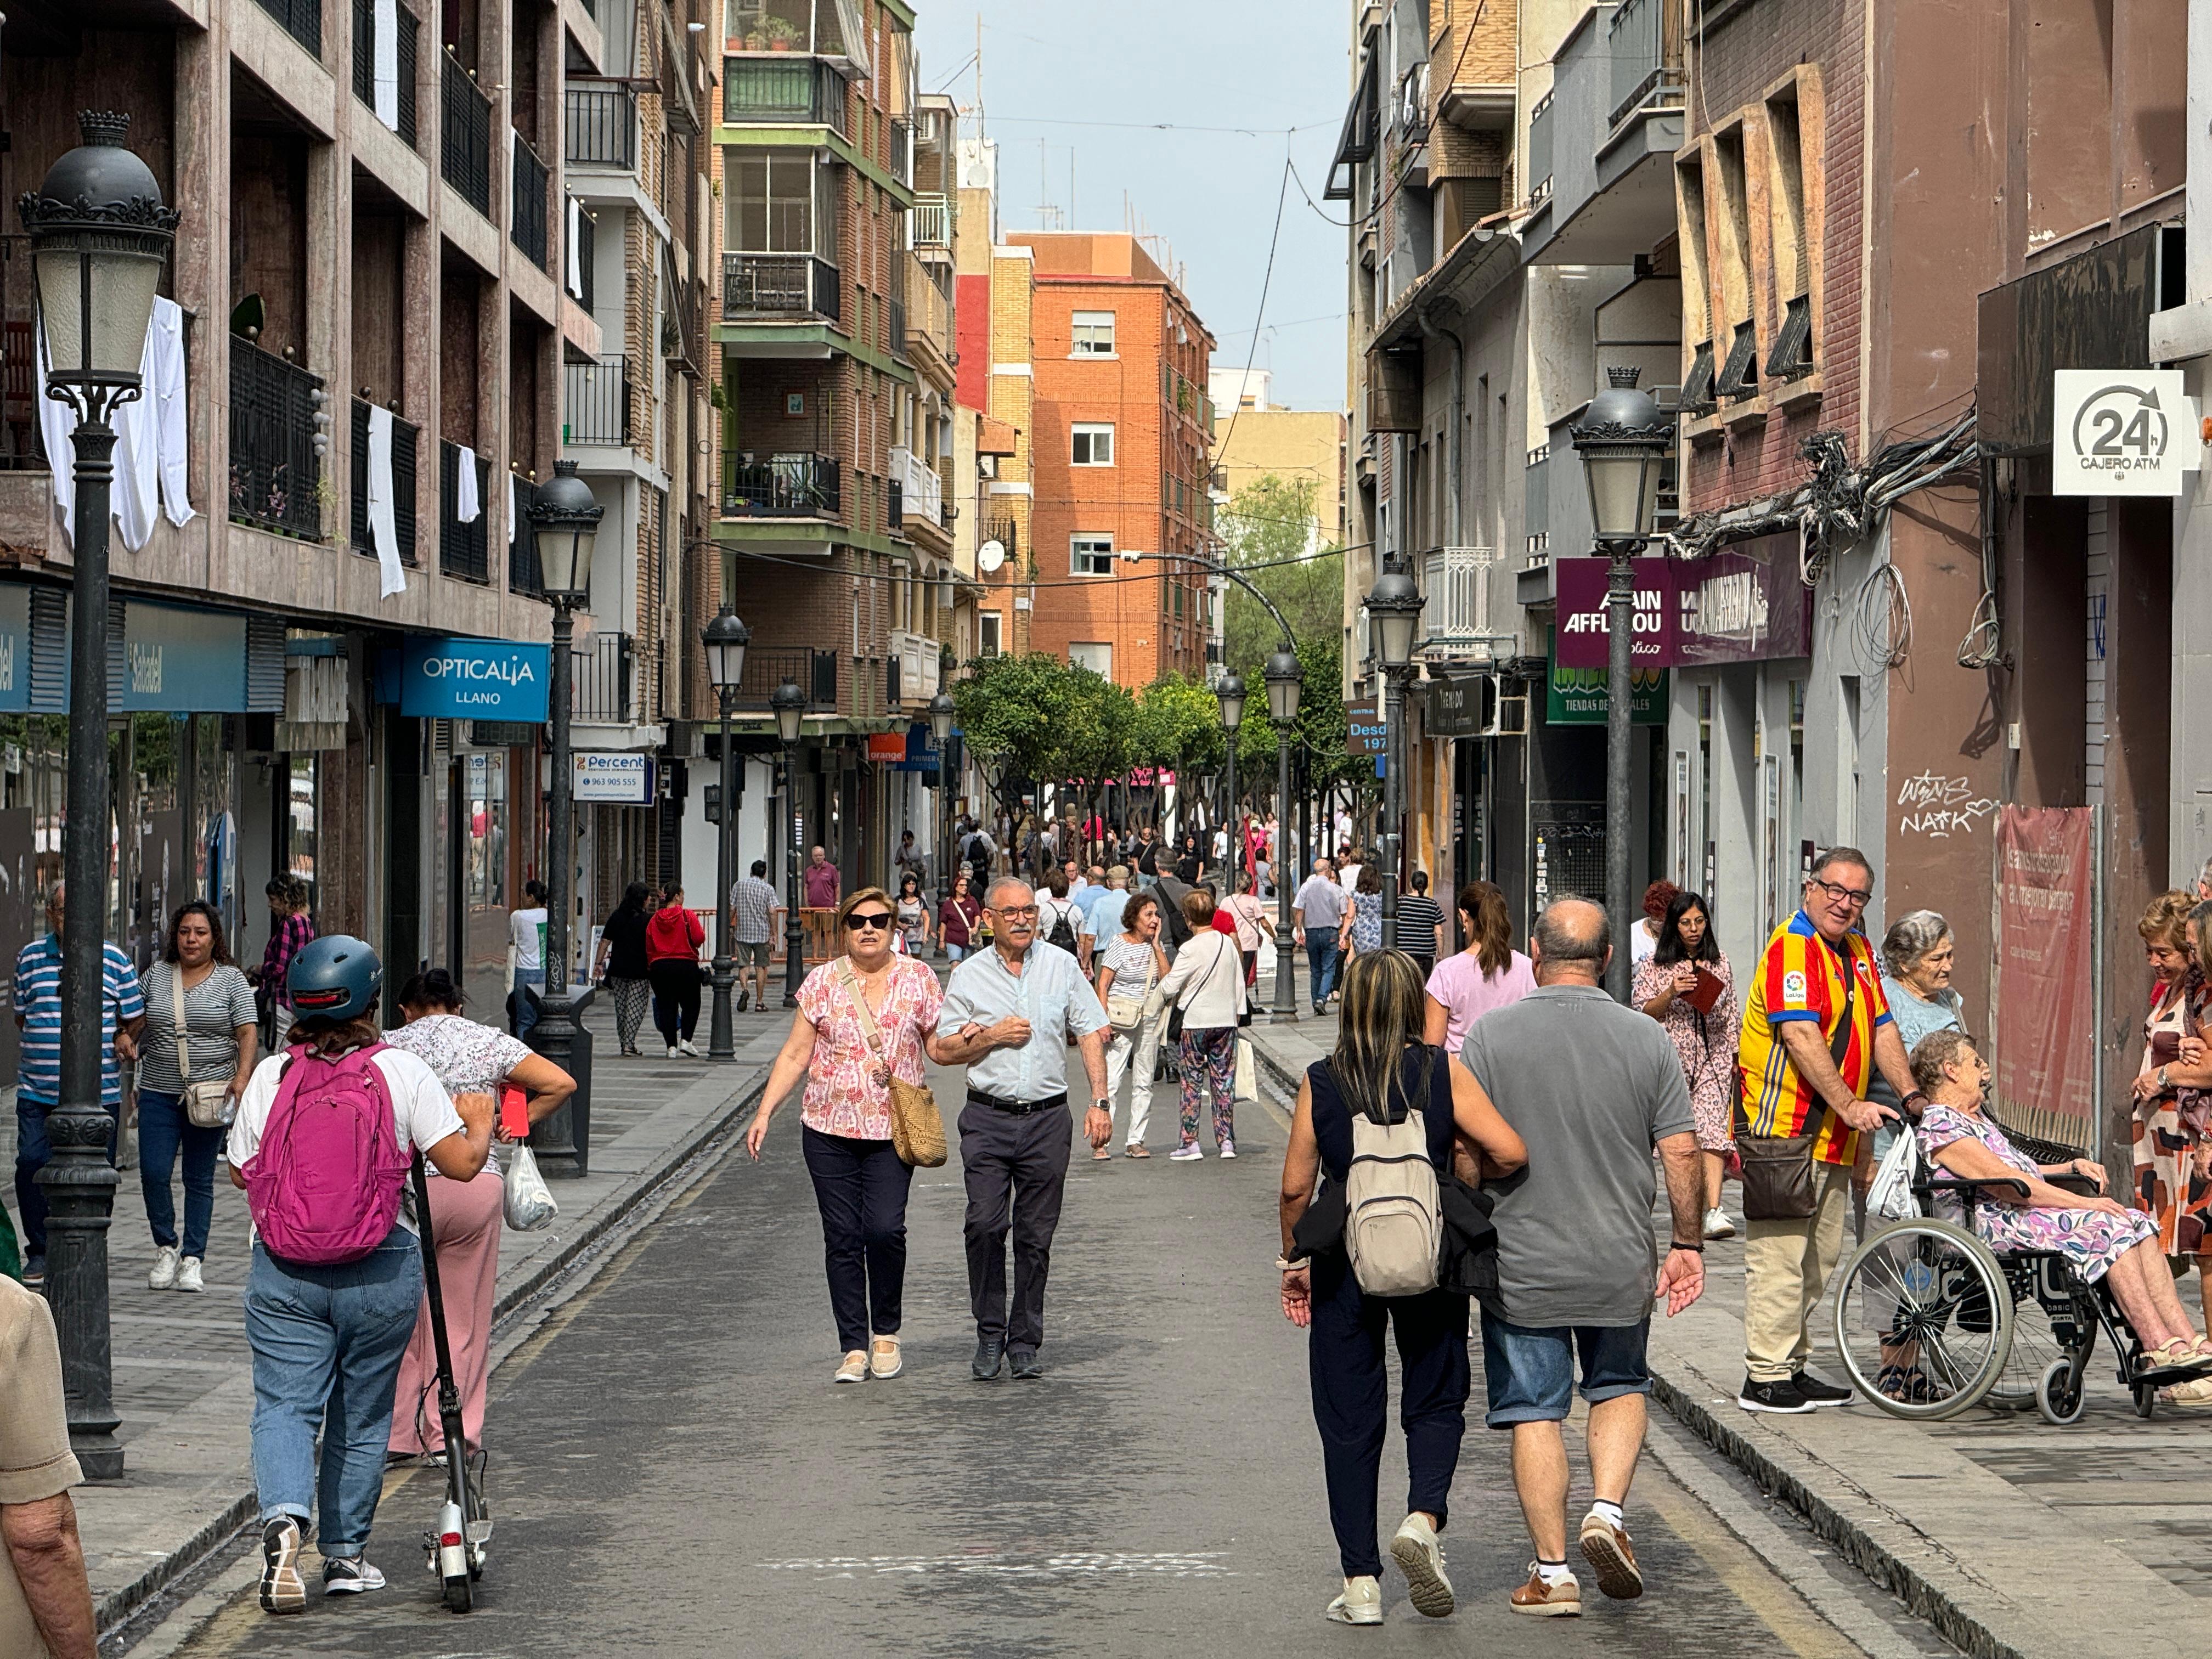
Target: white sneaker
[1360, 1604]
[164, 1274]
[685, 1045]
[356, 1577]
[1229, 1149]
[675, 1054]
[1186, 1153]
[1717, 1225]
[188, 1275]
[1421, 1557]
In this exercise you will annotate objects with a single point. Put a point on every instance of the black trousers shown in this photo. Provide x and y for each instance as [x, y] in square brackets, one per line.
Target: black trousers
[675, 997]
[1017, 1173]
[1352, 1405]
[861, 1186]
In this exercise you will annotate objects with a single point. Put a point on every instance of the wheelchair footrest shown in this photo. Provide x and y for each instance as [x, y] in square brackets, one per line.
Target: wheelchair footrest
[2165, 1377]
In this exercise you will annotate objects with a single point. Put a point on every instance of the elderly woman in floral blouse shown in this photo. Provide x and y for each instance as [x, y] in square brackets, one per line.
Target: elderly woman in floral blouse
[860, 1180]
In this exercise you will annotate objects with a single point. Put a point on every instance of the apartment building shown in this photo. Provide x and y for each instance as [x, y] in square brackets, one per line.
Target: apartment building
[1120, 443]
[367, 301]
[995, 285]
[1255, 438]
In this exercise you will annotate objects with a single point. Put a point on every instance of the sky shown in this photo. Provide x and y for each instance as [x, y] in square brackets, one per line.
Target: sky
[1093, 84]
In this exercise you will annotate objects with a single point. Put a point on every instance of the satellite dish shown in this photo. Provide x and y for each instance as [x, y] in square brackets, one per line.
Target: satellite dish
[990, 556]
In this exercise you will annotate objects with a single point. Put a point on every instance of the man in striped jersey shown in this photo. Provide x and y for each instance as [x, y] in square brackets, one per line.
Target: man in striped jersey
[38, 999]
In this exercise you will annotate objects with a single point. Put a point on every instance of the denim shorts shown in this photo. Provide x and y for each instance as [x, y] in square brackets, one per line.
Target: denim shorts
[1530, 1370]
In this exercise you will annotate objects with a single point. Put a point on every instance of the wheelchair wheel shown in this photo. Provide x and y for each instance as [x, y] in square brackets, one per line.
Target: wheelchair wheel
[2054, 1321]
[1923, 1319]
[2060, 1404]
[2146, 1400]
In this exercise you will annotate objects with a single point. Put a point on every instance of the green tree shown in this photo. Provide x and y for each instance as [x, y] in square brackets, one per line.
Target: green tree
[1268, 532]
[1011, 710]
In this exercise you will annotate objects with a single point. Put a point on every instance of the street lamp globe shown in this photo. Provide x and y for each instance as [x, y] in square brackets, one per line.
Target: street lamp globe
[1393, 613]
[565, 520]
[789, 703]
[1285, 678]
[1230, 688]
[941, 714]
[99, 233]
[1622, 439]
[725, 639]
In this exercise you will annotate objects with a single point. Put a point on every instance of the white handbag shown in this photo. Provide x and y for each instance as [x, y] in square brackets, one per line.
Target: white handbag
[207, 1105]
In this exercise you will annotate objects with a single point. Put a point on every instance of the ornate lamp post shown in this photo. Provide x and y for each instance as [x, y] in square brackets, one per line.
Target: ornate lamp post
[99, 233]
[942, 714]
[1229, 690]
[1394, 611]
[564, 521]
[725, 638]
[1622, 439]
[789, 703]
[1286, 680]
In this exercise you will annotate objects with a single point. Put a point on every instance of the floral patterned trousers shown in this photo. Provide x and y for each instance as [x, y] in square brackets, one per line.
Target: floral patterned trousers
[1208, 1058]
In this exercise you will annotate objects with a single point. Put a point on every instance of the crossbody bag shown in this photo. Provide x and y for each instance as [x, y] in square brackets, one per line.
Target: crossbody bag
[917, 1126]
[1125, 1013]
[1777, 1170]
[207, 1104]
[1228, 948]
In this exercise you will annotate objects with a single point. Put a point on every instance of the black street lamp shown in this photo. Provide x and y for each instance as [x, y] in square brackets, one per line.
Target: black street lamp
[1286, 680]
[564, 521]
[725, 639]
[942, 714]
[1229, 690]
[789, 703]
[1622, 439]
[1394, 616]
[99, 234]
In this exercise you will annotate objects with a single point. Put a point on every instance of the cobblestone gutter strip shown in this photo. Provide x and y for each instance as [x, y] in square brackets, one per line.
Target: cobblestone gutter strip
[512, 1297]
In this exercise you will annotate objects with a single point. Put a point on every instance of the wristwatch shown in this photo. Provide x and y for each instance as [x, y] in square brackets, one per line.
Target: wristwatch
[1103, 1104]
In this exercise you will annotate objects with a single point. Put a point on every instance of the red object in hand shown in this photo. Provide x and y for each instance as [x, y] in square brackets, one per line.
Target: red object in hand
[514, 1113]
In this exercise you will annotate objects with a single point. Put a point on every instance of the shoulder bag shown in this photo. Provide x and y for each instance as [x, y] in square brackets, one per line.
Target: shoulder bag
[917, 1126]
[1125, 1013]
[1777, 1170]
[207, 1105]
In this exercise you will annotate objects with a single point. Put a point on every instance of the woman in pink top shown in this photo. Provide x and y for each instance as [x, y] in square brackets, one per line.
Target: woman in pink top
[1489, 974]
[860, 1180]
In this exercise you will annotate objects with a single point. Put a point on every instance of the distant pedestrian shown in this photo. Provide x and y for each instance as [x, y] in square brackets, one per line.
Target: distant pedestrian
[336, 1283]
[1131, 967]
[672, 938]
[909, 857]
[623, 965]
[1206, 984]
[958, 918]
[1420, 925]
[754, 909]
[1008, 1016]
[1489, 974]
[216, 1040]
[46, 1598]
[526, 957]
[1382, 1074]
[914, 917]
[1594, 1088]
[290, 929]
[1360, 933]
[1109, 905]
[38, 1001]
[1644, 936]
[861, 1021]
[1687, 986]
[820, 884]
[1255, 926]
[1317, 912]
[1059, 921]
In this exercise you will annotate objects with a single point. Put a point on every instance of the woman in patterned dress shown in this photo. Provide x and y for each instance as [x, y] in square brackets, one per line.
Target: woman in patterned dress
[1666, 982]
[2171, 1102]
[2098, 1236]
[860, 1180]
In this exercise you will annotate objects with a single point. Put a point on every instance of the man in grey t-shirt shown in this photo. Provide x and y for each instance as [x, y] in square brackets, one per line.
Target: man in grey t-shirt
[1592, 1087]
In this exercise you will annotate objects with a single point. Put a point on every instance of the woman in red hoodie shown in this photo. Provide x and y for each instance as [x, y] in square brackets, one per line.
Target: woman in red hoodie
[672, 939]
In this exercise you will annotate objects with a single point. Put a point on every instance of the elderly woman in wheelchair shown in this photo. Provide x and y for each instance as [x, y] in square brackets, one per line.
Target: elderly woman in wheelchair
[1999, 1294]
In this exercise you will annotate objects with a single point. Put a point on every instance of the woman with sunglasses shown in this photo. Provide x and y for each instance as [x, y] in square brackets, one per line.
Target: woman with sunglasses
[860, 1021]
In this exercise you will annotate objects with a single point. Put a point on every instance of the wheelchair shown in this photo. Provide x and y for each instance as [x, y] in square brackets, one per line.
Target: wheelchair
[1931, 1322]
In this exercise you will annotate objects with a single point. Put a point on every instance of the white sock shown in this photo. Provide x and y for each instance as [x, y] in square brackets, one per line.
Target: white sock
[1610, 1514]
[1554, 1573]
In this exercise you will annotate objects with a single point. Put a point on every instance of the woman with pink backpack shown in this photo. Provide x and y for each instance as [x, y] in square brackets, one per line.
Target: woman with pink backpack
[322, 1146]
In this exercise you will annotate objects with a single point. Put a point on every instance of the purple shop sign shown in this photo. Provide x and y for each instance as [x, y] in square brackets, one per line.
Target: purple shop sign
[1747, 605]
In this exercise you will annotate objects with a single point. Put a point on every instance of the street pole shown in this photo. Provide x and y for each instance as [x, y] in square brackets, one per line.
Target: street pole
[1286, 1011]
[1620, 622]
[1394, 796]
[562, 1141]
[720, 1042]
[794, 930]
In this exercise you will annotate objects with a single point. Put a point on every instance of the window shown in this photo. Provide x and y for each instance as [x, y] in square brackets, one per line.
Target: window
[771, 199]
[1090, 556]
[1093, 443]
[1093, 336]
[989, 623]
[1095, 655]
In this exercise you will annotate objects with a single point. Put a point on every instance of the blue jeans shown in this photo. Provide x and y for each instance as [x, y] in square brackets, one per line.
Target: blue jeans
[1530, 1369]
[163, 1130]
[1321, 959]
[32, 1152]
[327, 1342]
[525, 1011]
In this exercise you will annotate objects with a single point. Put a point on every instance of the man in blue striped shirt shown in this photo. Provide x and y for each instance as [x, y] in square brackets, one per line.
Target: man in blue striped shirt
[38, 998]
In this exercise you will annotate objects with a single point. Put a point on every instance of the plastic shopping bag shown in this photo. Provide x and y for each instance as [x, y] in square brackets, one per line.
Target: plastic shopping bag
[528, 1203]
[1248, 1071]
[1891, 1196]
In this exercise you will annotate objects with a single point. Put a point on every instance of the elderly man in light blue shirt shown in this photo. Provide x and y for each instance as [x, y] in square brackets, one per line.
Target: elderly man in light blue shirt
[1008, 1014]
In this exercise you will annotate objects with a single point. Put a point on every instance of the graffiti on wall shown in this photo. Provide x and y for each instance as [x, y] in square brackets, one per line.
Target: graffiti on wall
[1939, 807]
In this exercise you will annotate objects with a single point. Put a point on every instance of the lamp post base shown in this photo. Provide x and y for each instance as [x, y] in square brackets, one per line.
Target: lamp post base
[79, 1187]
[721, 1043]
[562, 1140]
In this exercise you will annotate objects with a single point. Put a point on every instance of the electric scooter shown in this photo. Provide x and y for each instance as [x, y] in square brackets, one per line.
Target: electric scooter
[459, 1546]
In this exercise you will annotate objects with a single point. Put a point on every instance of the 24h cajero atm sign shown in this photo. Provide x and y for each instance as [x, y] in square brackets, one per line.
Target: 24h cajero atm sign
[2122, 431]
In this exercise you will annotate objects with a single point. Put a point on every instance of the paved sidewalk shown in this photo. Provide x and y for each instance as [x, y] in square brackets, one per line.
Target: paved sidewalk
[182, 1382]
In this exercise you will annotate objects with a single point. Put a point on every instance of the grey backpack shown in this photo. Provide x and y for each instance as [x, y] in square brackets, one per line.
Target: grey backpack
[1394, 1228]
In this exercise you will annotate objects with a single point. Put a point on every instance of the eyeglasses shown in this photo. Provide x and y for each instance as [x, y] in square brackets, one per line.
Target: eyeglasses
[1856, 897]
[878, 919]
[1019, 913]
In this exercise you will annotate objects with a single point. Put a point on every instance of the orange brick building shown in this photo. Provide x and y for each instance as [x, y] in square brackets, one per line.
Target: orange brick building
[1119, 439]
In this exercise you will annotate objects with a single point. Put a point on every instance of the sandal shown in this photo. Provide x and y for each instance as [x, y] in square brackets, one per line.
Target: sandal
[1136, 1149]
[1098, 1153]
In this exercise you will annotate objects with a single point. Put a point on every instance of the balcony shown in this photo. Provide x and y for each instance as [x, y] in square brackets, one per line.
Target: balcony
[524, 574]
[599, 680]
[602, 124]
[527, 207]
[931, 221]
[898, 327]
[405, 44]
[465, 157]
[464, 550]
[922, 491]
[783, 91]
[793, 486]
[1471, 609]
[1642, 75]
[406, 440]
[1536, 503]
[913, 663]
[302, 20]
[1612, 121]
[814, 673]
[780, 287]
[929, 314]
[901, 148]
[279, 426]
[1539, 151]
[595, 403]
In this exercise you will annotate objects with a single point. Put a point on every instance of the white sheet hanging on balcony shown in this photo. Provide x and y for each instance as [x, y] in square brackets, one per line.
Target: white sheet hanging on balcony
[386, 70]
[165, 390]
[510, 508]
[468, 500]
[572, 263]
[152, 437]
[383, 526]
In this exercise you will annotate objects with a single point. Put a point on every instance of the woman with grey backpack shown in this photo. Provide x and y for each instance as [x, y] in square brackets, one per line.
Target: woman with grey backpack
[1379, 1120]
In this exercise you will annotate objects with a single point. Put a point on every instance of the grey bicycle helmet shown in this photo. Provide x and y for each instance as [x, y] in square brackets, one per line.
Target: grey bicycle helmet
[335, 977]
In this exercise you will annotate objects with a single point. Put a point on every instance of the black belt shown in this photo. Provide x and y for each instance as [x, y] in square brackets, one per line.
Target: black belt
[1018, 1107]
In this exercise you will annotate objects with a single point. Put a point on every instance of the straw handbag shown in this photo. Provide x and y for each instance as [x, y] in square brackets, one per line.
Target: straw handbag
[917, 1126]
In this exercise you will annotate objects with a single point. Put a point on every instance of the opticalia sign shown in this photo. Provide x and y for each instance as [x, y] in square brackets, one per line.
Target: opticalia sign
[2122, 431]
[474, 679]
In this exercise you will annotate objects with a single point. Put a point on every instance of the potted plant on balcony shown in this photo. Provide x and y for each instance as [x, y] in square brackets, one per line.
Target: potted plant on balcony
[782, 34]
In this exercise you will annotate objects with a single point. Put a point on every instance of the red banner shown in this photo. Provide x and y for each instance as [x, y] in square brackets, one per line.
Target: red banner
[2046, 1023]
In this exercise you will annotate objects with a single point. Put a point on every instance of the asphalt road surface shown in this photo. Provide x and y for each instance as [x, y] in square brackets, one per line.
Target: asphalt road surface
[674, 1474]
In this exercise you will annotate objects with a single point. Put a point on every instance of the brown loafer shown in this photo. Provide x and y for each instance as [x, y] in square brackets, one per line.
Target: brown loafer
[1605, 1546]
[1541, 1600]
